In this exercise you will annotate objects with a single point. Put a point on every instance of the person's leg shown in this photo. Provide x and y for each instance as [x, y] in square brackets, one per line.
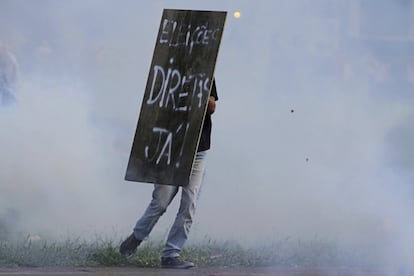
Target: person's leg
[180, 230]
[161, 198]
[6, 96]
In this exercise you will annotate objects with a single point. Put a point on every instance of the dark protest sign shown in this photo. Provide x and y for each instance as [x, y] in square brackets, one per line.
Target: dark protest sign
[176, 97]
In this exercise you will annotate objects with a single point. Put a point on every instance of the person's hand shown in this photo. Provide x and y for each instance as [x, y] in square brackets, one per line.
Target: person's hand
[211, 105]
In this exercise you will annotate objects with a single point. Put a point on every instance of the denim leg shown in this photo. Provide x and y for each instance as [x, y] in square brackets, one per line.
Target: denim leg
[161, 198]
[179, 231]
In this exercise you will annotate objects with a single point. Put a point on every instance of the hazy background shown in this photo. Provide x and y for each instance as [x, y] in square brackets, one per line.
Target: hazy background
[312, 137]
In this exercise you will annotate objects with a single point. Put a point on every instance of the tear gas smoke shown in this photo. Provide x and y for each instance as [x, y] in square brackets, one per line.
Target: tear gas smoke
[84, 64]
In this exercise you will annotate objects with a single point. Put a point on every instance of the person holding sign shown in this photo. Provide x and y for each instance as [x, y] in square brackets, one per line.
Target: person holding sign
[163, 195]
[8, 76]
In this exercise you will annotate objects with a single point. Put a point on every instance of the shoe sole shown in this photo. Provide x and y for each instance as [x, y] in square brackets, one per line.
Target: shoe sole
[127, 254]
[177, 267]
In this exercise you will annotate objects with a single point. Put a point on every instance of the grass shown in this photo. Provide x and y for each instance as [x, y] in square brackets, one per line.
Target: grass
[207, 253]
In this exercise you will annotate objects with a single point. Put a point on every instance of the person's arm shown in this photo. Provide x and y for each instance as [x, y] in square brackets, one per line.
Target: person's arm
[212, 99]
[211, 105]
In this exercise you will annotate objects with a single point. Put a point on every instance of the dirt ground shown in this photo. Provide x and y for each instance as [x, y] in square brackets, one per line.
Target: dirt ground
[235, 271]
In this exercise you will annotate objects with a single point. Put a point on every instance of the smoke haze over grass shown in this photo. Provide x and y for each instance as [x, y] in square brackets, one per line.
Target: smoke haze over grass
[339, 167]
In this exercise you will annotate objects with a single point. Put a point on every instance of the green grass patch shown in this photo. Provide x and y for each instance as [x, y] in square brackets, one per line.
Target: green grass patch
[207, 253]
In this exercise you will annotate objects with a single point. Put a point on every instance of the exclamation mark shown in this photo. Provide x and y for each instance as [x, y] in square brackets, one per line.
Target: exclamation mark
[177, 165]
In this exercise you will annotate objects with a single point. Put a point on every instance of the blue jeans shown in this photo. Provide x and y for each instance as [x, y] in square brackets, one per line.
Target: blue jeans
[6, 96]
[162, 197]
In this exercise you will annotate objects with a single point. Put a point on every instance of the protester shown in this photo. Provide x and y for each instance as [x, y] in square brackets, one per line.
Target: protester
[8, 76]
[163, 195]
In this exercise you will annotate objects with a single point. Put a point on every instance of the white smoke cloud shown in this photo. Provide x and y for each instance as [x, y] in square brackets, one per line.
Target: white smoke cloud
[338, 166]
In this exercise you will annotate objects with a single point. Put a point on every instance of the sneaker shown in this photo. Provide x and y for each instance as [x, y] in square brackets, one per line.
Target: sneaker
[175, 262]
[129, 246]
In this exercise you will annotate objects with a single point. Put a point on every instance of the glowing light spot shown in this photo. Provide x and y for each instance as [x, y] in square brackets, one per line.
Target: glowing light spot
[236, 14]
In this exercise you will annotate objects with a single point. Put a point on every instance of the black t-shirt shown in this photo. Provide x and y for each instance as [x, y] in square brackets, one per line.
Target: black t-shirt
[206, 132]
